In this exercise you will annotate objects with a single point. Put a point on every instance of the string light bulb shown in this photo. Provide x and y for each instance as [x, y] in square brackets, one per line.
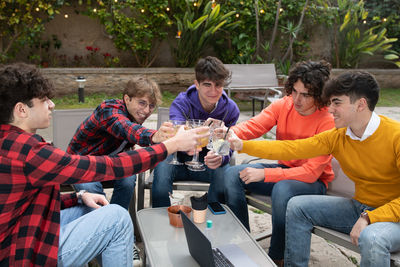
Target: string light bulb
[37, 9]
[142, 10]
[237, 15]
[168, 9]
[66, 16]
[364, 21]
[195, 3]
[94, 10]
[213, 4]
[384, 19]
[178, 35]
[262, 11]
[281, 10]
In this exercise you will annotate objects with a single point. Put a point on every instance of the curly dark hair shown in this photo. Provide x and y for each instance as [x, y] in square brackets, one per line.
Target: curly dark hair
[211, 68]
[354, 84]
[20, 82]
[313, 74]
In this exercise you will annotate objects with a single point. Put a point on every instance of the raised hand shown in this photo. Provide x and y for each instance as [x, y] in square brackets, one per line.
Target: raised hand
[165, 132]
[186, 140]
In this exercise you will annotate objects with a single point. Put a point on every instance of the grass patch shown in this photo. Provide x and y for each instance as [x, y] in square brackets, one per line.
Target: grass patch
[389, 97]
[257, 211]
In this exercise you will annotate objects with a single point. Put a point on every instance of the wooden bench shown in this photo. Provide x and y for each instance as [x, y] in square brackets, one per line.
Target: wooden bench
[340, 186]
[251, 77]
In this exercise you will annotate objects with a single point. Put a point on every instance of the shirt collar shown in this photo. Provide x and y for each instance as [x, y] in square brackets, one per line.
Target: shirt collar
[372, 126]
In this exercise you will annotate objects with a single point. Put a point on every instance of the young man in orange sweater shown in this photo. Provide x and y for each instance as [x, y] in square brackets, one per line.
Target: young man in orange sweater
[367, 147]
[300, 114]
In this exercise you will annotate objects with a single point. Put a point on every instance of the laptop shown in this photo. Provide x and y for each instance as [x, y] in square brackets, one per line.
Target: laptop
[201, 250]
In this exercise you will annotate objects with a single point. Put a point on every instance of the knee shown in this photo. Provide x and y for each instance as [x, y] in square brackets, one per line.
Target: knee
[371, 239]
[117, 212]
[294, 207]
[231, 176]
[281, 193]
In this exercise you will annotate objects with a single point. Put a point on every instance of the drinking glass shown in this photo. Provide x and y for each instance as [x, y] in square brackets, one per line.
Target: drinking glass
[177, 124]
[220, 145]
[195, 164]
[214, 125]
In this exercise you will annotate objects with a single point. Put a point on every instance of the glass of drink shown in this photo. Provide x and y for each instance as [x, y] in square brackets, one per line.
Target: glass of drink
[195, 164]
[214, 125]
[177, 124]
[220, 145]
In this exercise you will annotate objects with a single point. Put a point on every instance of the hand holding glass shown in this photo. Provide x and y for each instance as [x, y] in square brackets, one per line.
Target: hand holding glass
[176, 124]
[194, 164]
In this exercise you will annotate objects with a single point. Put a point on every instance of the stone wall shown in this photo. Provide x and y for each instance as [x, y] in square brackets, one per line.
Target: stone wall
[170, 79]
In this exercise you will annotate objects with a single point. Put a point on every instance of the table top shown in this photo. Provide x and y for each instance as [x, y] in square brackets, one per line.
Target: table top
[166, 245]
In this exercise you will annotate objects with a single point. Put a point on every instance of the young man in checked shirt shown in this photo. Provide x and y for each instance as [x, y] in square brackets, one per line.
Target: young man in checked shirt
[32, 170]
[116, 125]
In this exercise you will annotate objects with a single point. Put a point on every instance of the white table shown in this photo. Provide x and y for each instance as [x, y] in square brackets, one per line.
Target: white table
[166, 245]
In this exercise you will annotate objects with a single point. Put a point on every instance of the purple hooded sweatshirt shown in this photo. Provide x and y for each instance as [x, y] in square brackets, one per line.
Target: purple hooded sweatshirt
[187, 106]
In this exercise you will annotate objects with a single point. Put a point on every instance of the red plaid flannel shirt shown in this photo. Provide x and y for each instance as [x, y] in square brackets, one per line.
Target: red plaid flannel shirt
[105, 130]
[31, 172]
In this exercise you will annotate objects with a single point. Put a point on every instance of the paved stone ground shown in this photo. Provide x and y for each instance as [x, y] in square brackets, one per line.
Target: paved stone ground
[323, 253]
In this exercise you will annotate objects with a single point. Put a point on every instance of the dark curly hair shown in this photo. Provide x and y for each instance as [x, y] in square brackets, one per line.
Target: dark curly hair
[313, 74]
[20, 82]
[354, 84]
[211, 68]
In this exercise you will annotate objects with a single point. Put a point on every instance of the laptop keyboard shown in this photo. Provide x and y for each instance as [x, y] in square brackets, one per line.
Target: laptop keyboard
[220, 259]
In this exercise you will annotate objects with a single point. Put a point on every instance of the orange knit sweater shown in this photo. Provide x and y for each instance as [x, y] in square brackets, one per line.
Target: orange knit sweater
[290, 125]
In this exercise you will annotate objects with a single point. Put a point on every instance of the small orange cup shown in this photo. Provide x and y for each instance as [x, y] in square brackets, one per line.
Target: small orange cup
[175, 218]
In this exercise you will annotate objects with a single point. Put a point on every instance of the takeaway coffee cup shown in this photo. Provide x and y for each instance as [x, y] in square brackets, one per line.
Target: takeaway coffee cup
[199, 208]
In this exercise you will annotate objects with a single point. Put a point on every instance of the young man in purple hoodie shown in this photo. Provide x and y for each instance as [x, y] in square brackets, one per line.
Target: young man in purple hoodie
[205, 99]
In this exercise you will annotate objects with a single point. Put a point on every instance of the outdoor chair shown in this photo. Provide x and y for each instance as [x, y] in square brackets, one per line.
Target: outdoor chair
[251, 77]
[145, 181]
[65, 123]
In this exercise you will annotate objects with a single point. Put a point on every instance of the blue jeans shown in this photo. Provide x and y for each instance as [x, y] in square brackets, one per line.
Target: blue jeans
[376, 241]
[122, 193]
[105, 233]
[280, 194]
[165, 174]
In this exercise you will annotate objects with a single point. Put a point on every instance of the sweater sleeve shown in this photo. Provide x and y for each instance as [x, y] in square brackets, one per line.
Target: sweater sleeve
[308, 172]
[259, 124]
[390, 212]
[318, 145]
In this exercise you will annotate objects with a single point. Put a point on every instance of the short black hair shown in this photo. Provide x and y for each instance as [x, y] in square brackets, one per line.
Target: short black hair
[211, 68]
[20, 82]
[354, 84]
[313, 74]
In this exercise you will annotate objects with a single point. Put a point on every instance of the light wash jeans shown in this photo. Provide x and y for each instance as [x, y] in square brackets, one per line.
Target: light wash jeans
[280, 193]
[165, 174]
[122, 193]
[376, 241]
[105, 233]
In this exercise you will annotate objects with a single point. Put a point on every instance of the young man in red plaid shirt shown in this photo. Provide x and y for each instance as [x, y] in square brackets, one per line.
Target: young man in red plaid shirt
[116, 125]
[31, 172]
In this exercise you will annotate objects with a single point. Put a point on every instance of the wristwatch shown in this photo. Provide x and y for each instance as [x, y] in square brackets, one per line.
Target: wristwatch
[365, 216]
[79, 195]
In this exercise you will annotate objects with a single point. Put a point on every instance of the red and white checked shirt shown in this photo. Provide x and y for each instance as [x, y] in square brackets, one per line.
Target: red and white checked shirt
[31, 172]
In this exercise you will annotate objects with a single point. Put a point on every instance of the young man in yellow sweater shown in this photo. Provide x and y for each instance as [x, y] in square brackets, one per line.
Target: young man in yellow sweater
[367, 147]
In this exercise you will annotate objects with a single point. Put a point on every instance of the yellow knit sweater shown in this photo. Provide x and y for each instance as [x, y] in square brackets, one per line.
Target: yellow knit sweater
[373, 164]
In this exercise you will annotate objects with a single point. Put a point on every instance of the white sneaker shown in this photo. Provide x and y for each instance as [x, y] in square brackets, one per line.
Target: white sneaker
[137, 261]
